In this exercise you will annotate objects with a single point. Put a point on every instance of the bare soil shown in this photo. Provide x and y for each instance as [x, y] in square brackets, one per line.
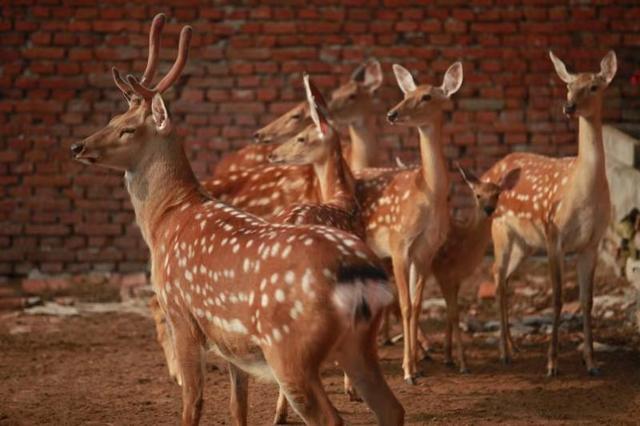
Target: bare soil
[106, 369]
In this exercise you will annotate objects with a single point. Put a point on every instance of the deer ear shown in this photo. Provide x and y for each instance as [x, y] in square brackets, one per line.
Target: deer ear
[404, 79]
[468, 176]
[372, 75]
[452, 79]
[317, 106]
[510, 180]
[160, 115]
[608, 66]
[561, 69]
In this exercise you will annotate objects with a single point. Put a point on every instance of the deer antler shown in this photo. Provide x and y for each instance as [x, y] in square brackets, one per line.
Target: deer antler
[140, 86]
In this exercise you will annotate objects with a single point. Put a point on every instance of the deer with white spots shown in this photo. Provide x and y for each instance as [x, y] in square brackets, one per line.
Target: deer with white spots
[463, 251]
[319, 145]
[406, 212]
[249, 290]
[560, 205]
[351, 105]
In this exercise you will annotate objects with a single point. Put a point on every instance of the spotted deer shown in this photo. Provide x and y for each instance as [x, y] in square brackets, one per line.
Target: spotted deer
[279, 130]
[464, 249]
[319, 145]
[226, 280]
[405, 211]
[560, 205]
[351, 104]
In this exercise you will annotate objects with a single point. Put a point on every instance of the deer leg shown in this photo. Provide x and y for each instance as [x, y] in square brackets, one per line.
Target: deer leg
[385, 329]
[450, 293]
[239, 395]
[163, 336]
[400, 275]
[586, 270]
[357, 355]
[189, 346]
[308, 398]
[416, 309]
[509, 256]
[556, 261]
[281, 409]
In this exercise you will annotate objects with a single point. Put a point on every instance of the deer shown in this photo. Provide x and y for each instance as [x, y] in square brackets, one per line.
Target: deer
[469, 237]
[351, 104]
[319, 145]
[559, 205]
[405, 211]
[216, 287]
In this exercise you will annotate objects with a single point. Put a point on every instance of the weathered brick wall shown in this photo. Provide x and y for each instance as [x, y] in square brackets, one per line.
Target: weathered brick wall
[245, 68]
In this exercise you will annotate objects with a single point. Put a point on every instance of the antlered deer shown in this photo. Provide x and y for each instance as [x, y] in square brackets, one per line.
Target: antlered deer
[560, 205]
[248, 289]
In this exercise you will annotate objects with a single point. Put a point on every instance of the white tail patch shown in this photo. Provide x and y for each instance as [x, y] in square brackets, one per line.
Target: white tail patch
[353, 297]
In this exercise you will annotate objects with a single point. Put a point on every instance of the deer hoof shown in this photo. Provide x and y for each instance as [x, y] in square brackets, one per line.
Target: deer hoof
[595, 372]
[411, 381]
[506, 360]
[464, 370]
[281, 419]
[387, 342]
[552, 372]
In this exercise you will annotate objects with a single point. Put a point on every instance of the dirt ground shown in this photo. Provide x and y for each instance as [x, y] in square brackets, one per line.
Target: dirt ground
[107, 369]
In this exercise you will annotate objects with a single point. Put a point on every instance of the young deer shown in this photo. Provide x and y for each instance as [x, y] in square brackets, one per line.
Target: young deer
[319, 145]
[282, 128]
[463, 251]
[351, 104]
[560, 205]
[406, 211]
[244, 287]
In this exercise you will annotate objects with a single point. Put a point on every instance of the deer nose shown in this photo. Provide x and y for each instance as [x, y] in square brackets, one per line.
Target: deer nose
[271, 158]
[77, 148]
[569, 108]
[392, 116]
[489, 210]
[257, 136]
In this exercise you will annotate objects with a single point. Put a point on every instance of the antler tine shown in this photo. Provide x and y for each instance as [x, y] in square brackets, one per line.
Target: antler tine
[154, 48]
[178, 65]
[122, 85]
[140, 89]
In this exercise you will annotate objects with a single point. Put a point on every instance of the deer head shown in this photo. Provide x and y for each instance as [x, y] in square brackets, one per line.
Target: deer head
[487, 194]
[315, 142]
[584, 90]
[421, 103]
[353, 99]
[125, 140]
[285, 126]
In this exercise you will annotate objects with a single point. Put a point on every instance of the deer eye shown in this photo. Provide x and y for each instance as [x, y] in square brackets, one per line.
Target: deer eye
[352, 96]
[128, 130]
[301, 139]
[295, 117]
[426, 98]
[593, 88]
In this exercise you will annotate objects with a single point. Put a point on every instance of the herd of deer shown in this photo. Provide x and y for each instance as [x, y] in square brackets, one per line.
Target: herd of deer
[280, 267]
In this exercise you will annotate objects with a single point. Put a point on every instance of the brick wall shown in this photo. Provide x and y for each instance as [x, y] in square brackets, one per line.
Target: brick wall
[245, 68]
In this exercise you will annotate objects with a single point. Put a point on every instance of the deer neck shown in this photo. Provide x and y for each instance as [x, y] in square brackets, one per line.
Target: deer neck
[590, 164]
[434, 169]
[161, 181]
[363, 143]
[334, 178]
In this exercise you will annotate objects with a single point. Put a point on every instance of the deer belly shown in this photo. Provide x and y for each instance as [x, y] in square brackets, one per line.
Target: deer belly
[529, 232]
[249, 359]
